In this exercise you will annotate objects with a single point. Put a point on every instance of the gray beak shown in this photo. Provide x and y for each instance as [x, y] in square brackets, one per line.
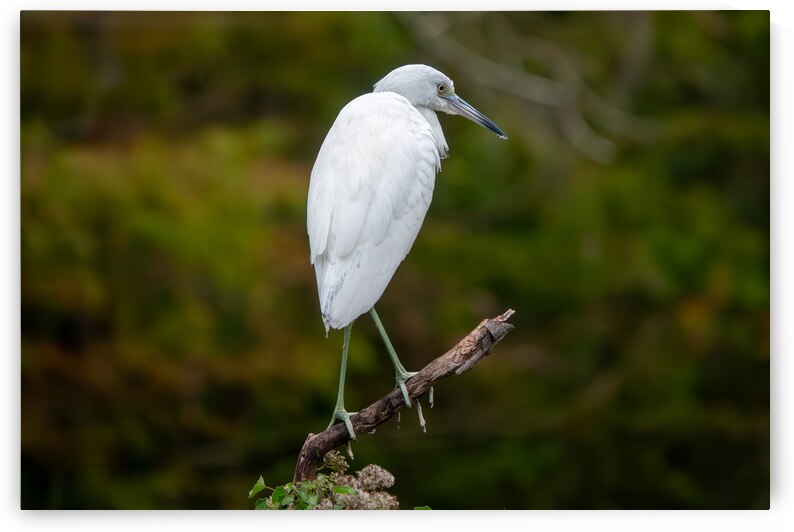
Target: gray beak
[464, 109]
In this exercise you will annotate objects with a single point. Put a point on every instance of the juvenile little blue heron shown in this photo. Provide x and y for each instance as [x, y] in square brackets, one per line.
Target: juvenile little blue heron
[369, 192]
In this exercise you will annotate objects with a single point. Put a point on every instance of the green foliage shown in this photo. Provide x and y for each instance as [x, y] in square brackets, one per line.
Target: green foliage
[332, 490]
[303, 496]
[171, 339]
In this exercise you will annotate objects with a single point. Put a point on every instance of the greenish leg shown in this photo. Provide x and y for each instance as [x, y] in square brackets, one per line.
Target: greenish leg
[339, 410]
[402, 375]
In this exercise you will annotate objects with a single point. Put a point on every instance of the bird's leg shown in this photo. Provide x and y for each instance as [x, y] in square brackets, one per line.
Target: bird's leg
[402, 374]
[340, 413]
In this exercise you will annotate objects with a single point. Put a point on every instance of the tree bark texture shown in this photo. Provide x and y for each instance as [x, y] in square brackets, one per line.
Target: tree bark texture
[460, 359]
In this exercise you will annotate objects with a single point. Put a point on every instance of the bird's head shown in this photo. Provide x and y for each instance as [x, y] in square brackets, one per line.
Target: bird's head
[425, 86]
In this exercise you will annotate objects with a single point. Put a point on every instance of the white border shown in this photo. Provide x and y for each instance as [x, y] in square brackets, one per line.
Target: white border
[782, 300]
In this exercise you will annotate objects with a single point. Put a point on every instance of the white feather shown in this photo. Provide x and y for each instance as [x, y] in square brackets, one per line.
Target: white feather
[370, 189]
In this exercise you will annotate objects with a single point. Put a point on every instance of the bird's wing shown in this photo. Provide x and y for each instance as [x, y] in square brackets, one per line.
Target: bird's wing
[370, 189]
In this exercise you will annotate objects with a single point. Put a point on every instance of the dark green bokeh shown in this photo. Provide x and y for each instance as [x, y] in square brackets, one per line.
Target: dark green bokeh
[172, 344]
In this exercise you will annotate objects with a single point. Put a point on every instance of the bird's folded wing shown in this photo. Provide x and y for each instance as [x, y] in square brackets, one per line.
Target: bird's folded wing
[370, 189]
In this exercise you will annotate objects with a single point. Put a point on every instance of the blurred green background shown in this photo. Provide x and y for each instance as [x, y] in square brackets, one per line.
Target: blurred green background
[172, 346]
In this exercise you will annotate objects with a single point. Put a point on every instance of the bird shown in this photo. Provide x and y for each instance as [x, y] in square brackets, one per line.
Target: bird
[369, 191]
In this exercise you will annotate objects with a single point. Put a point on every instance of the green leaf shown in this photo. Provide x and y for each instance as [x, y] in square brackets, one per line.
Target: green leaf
[303, 496]
[313, 500]
[261, 504]
[302, 491]
[278, 496]
[422, 508]
[259, 486]
[288, 500]
[345, 490]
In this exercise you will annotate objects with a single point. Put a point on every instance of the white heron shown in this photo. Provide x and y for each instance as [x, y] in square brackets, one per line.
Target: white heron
[370, 189]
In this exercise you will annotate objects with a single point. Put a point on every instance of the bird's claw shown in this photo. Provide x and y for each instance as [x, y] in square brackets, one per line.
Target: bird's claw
[404, 390]
[344, 417]
[401, 385]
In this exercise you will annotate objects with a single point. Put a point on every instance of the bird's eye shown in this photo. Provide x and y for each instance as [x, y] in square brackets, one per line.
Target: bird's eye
[442, 87]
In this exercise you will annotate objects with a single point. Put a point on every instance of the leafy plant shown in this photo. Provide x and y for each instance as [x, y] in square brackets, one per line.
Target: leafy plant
[333, 489]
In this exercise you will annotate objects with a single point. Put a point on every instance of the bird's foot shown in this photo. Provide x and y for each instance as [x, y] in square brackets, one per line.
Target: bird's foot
[422, 422]
[344, 416]
[401, 378]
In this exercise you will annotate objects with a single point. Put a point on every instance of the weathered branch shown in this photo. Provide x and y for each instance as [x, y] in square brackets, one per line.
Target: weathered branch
[461, 358]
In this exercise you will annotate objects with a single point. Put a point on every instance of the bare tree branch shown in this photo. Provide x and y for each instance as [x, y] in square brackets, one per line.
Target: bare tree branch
[567, 93]
[430, 30]
[460, 359]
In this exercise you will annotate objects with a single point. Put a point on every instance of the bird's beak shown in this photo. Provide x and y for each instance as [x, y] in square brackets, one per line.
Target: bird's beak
[462, 108]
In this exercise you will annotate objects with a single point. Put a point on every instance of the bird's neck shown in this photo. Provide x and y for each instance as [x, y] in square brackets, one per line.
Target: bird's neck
[438, 133]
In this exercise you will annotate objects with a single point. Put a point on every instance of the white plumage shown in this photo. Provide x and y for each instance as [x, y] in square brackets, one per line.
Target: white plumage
[372, 184]
[370, 189]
